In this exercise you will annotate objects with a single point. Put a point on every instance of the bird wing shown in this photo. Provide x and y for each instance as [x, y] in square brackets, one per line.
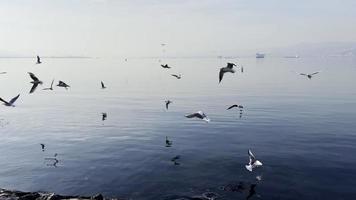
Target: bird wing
[14, 99]
[33, 77]
[230, 65]
[251, 155]
[303, 74]
[231, 107]
[102, 84]
[174, 75]
[38, 59]
[221, 74]
[167, 103]
[314, 73]
[5, 102]
[33, 88]
[52, 83]
[193, 115]
[257, 163]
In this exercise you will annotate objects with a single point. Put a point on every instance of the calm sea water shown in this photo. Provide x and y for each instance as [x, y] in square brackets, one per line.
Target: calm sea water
[302, 130]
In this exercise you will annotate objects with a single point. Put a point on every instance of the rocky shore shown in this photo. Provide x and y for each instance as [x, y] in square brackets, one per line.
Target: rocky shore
[18, 195]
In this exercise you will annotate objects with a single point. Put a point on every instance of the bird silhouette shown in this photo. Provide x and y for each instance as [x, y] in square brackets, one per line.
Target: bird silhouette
[228, 68]
[11, 102]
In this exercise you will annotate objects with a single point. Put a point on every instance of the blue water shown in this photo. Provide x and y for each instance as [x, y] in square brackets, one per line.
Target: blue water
[302, 130]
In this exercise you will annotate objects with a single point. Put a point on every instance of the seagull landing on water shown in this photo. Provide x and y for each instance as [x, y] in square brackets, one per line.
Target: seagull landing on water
[63, 84]
[167, 103]
[38, 60]
[235, 106]
[228, 68]
[50, 88]
[309, 75]
[199, 115]
[11, 102]
[177, 76]
[168, 142]
[102, 85]
[165, 66]
[253, 163]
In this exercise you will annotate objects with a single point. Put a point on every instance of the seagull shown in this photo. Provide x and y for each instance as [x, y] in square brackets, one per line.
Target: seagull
[43, 147]
[50, 88]
[175, 158]
[228, 68]
[168, 142]
[11, 102]
[167, 103]
[104, 116]
[253, 163]
[102, 85]
[235, 106]
[199, 115]
[38, 60]
[309, 75]
[35, 80]
[62, 84]
[177, 76]
[165, 66]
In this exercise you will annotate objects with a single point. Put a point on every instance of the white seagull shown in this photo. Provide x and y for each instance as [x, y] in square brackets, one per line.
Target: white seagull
[253, 163]
[11, 102]
[199, 115]
[228, 68]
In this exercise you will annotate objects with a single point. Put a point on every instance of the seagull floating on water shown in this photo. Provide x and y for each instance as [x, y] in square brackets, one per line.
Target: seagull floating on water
[235, 106]
[167, 103]
[199, 115]
[43, 147]
[228, 68]
[38, 60]
[168, 142]
[50, 88]
[11, 102]
[253, 163]
[165, 66]
[177, 76]
[62, 84]
[309, 75]
[102, 85]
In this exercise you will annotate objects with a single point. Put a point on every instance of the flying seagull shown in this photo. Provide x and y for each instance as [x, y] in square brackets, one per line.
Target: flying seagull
[102, 85]
[104, 116]
[38, 60]
[62, 84]
[35, 81]
[168, 142]
[235, 106]
[253, 163]
[228, 68]
[199, 115]
[11, 102]
[165, 66]
[43, 147]
[309, 75]
[50, 88]
[177, 76]
[167, 103]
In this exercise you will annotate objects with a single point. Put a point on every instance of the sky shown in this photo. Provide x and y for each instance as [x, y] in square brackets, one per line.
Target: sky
[111, 28]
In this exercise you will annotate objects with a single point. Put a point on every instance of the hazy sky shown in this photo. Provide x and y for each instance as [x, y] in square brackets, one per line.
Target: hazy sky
[138, 27]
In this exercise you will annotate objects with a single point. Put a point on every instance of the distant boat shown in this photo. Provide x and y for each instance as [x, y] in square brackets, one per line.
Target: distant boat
[295, 56]
[260, 55]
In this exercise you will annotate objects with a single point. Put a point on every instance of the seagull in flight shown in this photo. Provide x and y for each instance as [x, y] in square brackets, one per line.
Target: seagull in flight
[50, 88]
[235, 106]
[253, 163]
[38, 60]
[102, 85]
[104, 116]
[167, 103]
[309, 75]
[42, 146]
[35, 81]
[228, 68]
[62, 84]
[168, 142]
[177, 76]
[165, 66]
[199, 115]
[11, 102]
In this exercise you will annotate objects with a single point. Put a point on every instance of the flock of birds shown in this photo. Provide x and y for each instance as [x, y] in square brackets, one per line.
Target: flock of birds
[252, 161]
